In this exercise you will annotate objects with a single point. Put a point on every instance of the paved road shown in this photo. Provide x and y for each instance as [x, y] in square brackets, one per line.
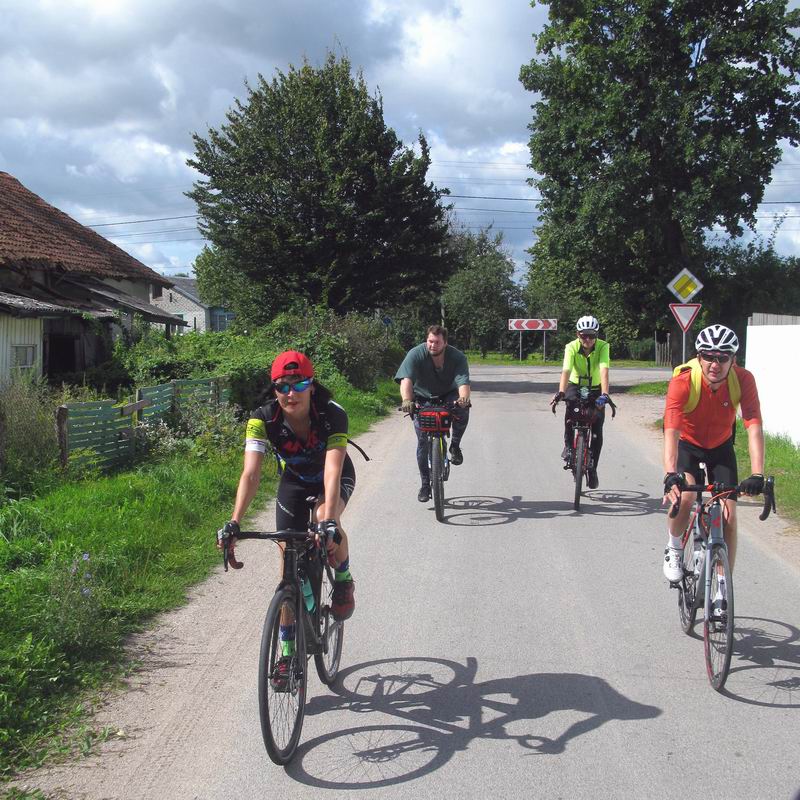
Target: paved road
[517, 650]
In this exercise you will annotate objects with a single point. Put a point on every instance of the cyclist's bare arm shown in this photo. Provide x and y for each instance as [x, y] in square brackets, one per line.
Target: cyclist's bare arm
[248, 483]
[671, 437]
[331, 480]
[463, 394]
[406, 389]
[562, 384]
[604, 380]
[755, 446]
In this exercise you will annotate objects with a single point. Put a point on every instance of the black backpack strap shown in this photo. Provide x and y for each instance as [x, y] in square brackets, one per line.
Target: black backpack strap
[360, 450]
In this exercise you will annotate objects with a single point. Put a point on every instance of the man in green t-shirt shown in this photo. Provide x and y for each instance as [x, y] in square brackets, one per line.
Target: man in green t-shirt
[586, 363]
[436, 371]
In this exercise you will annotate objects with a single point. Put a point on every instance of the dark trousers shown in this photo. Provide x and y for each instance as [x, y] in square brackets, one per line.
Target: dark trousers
[460, 419]
[571, 395]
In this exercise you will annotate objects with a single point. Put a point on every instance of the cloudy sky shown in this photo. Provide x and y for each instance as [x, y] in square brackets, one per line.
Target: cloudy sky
[99, 98]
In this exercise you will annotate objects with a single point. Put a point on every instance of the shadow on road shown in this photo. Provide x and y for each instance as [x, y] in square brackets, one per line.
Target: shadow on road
[765, 670]
[479, 511]
[440, 710]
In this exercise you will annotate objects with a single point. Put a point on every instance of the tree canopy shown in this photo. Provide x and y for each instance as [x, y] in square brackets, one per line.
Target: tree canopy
[308, 195]
[656, 121]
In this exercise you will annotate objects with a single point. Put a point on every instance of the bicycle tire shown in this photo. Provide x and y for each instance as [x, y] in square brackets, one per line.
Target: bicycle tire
[281, 704]
[687, 591]
[580, 452]
[718, 631]
[331, 631]
[437, 475]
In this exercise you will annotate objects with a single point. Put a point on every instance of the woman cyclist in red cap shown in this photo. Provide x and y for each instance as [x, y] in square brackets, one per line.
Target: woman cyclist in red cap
[308, 433]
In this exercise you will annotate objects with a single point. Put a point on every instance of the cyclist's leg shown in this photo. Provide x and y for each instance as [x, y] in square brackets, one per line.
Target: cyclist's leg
[689, 458]
[597, 435]
[422, 454]
[347, 485]
[722, 468]
[291, 513]
[460, 417]
[570, 396]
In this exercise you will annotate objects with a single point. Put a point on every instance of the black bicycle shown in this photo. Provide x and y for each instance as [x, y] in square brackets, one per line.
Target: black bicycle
[580, 459]
[299, 624]
[707, 580]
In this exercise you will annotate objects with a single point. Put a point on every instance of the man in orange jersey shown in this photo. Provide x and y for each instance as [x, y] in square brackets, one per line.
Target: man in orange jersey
[699, 421]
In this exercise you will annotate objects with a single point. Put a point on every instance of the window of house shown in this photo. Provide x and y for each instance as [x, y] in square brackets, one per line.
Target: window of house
[157, 292]
[23, 356]
[220, 319]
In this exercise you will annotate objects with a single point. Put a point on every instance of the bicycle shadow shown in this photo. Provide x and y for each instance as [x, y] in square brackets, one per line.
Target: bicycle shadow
[440, 710]
[480, 511]
[765, 669]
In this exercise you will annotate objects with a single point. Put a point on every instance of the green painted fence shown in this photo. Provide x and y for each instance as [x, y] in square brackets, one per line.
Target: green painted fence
[102, 432]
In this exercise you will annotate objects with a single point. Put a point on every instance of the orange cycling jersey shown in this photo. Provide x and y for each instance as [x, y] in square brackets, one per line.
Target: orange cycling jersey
[711, 422]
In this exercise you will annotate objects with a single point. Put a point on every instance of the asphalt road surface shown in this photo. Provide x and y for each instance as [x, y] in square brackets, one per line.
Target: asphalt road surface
[517, 650]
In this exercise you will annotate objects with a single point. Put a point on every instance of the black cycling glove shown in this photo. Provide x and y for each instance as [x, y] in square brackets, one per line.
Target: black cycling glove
[330, 530]
[229, 529]
[673, 479]
[752, 485]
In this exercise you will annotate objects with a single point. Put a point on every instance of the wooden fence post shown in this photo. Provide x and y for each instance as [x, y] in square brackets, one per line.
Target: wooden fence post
[62, 414]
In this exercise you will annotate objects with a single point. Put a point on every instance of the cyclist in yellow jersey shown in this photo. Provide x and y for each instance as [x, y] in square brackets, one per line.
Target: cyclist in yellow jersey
[586, 364]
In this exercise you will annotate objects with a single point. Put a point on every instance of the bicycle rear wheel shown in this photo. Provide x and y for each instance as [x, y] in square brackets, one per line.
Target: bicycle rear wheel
[282, 678]
[332, 632]
[687, 590]
[437, 475]
[718, 625]
[580, 457]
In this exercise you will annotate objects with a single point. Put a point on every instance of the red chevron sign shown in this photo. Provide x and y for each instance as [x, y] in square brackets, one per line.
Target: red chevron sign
[533, 324]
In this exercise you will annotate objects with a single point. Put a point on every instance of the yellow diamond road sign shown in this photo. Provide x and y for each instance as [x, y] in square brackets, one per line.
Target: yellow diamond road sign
[684, 285]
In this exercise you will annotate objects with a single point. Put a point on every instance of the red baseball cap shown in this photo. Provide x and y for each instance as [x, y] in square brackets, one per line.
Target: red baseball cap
[292, 363]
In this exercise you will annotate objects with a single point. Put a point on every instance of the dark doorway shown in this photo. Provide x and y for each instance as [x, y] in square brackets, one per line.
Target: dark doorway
[62, 354]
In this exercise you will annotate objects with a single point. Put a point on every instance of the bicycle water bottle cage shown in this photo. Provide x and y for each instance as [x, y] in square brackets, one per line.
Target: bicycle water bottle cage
[434, 420]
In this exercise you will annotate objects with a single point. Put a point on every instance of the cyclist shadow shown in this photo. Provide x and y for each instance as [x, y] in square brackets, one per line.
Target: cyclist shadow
[765, 669]
[479, 511]
[443, 710]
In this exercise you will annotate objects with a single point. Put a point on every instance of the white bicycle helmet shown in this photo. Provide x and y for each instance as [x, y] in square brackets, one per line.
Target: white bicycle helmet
[717, 337]
[587, 324]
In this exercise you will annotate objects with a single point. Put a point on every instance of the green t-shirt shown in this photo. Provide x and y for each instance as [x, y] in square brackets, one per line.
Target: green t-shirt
[429, 381]
[585, 370]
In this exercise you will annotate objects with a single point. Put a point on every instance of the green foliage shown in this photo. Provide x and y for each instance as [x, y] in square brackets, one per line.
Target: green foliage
[481, 296]
[654, 123]
[308, 196]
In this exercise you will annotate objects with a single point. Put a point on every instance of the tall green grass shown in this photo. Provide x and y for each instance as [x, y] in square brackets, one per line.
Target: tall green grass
[87, 563]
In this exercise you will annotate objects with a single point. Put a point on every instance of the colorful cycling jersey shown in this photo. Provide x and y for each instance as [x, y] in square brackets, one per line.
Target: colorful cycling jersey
[302, 459]
[711, 422]
[585, 370]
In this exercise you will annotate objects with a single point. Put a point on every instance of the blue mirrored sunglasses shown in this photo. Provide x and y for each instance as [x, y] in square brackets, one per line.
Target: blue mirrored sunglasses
[300, 386]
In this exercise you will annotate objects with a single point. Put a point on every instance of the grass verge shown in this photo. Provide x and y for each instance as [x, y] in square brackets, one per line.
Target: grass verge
[89, 563]
[652, 387]
[535, 359]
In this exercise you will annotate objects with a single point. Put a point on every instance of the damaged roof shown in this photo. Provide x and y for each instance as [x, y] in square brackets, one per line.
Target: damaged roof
[34, 234]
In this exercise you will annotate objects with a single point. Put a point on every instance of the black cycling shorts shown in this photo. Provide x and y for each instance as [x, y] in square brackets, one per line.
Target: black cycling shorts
[720, 462]
[296, 499]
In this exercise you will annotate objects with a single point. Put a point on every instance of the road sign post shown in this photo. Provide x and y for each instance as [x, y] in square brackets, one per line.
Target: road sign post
[685, 314]
[542, 325]
[684, 286]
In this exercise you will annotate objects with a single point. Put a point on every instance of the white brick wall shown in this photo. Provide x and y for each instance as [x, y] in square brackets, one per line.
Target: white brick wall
[174, 302]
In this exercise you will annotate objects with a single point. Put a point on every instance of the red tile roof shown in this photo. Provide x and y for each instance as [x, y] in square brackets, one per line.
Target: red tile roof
[34, 234]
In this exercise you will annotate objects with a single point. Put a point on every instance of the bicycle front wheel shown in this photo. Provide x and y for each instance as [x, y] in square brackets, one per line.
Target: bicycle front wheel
[718, 624]
[331, 631]
[282, 677]
[580, 457]
[687, 590]
[437, 475]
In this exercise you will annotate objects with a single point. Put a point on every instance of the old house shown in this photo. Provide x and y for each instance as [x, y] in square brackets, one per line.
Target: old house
[65, 291]
[183, 300]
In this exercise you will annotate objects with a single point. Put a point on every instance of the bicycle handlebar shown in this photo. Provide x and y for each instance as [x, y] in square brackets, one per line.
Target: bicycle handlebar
[609, 402]
[718, 489]
[285, 536]
[450, 404]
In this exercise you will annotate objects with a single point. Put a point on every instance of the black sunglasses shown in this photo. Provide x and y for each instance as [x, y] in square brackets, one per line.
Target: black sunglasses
[300, 386]
[587, 335]
[720, 358]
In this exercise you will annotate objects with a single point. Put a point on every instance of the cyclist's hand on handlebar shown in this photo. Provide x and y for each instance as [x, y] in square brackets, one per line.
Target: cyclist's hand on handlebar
[329, 531]
[464, 402]
[602, 400]
[673, 483]
[226, 539]
[407, 406]
[752, 485]
[557, 398]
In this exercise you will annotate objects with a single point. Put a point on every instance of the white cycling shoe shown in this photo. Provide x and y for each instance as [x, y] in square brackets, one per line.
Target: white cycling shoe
[673, 564]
